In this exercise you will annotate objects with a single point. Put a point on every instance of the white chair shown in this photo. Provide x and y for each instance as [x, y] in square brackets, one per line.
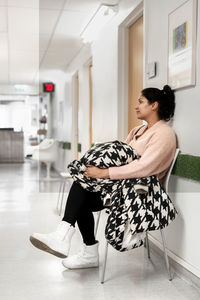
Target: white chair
[165, 185]
[46, 152]
[65, 179]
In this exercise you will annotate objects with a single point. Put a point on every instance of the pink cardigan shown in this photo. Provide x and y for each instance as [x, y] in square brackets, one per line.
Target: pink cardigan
[156, 145]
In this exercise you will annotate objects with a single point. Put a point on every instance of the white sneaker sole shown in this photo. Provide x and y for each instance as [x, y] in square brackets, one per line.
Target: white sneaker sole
[80, 267]
[42, 246]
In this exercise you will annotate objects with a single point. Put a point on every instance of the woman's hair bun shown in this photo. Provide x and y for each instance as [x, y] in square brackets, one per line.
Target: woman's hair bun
[167, 90]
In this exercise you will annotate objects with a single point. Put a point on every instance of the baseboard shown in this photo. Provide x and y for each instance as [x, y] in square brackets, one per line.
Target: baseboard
[177, 267]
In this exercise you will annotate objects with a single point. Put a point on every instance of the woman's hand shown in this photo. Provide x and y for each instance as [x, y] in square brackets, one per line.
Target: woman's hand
[95, 172]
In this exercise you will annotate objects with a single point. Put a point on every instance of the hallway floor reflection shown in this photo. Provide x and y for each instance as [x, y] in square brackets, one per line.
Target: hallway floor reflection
[28, 204]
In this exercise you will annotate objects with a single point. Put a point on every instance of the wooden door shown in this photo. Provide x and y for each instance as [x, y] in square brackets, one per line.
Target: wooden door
[135, 70]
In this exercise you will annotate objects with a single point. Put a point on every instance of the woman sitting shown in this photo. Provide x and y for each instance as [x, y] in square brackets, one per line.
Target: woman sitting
[154, 142]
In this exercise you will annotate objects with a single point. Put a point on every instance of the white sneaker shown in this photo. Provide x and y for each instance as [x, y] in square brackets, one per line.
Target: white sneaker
[57, 242]
[87, 258]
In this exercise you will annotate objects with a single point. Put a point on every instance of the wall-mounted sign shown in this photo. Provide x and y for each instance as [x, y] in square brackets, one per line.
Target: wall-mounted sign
[48, 87]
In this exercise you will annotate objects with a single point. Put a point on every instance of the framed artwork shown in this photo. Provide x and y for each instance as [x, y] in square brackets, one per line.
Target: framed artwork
[182, 45]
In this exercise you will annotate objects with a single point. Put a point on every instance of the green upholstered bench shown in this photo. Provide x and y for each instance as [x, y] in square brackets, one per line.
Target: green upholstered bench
[187, 166]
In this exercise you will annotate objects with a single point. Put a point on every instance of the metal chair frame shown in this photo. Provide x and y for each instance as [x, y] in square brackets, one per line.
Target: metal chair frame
[165, 185]
[64, 179]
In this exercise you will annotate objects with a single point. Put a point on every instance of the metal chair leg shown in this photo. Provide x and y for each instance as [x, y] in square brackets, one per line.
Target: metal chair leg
[97, 223]
[48, 177]
[68, 183]
[147, 244]
[58, 201]
[104, 263]
[63, 192]
[165, 253]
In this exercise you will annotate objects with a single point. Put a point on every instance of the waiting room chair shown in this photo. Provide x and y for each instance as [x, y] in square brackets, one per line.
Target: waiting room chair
[46, 152]
[165, 186]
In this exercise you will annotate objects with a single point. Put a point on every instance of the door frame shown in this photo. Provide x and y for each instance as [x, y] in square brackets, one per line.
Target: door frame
[123, 67]
[87, 65]
[75, 107]
[90, 104]
[74, 138]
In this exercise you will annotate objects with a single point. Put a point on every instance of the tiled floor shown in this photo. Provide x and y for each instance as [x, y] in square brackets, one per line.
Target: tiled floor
[27, 205]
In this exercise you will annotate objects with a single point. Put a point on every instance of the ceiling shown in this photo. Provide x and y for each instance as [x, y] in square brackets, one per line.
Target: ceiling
[40, 35]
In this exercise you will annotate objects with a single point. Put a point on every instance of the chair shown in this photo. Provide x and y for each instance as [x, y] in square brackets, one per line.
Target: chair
[65, 178]
[165, 185]
[46, 152]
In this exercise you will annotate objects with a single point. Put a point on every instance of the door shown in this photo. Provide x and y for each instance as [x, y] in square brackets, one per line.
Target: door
[135, 70]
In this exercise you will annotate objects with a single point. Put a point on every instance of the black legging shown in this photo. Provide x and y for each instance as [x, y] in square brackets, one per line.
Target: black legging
[79, 207]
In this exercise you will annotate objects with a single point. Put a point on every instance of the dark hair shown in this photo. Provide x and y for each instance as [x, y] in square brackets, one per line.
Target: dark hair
[165, 99]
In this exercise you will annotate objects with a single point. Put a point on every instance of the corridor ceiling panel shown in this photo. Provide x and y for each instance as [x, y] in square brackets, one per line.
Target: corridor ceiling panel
[37, 36]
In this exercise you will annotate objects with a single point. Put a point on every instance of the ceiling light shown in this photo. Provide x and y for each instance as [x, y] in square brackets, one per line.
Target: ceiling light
[101, 17]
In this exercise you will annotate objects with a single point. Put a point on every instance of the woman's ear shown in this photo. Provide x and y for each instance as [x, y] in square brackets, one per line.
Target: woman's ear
[155, 106]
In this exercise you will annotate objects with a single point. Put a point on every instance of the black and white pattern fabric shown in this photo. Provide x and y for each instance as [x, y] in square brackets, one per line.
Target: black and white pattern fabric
[131, 213]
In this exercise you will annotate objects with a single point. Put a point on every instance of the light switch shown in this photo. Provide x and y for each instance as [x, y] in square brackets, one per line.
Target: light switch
[151, 69]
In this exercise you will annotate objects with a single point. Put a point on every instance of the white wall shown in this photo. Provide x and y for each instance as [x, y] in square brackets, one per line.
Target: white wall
[182, 233]
[105, 83]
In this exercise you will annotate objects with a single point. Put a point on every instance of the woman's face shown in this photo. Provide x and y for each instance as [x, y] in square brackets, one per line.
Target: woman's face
[144, 110]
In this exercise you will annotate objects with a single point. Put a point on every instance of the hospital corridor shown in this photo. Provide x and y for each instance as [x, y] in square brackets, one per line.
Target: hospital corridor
[99, 149]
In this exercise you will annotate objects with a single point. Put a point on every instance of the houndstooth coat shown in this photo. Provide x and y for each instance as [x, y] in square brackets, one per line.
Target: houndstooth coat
[131, 213]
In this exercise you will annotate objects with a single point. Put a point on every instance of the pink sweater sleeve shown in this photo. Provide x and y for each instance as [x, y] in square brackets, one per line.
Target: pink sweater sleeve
[157, 157]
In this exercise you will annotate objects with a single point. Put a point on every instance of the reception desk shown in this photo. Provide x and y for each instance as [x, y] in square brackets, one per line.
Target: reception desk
[11, 146]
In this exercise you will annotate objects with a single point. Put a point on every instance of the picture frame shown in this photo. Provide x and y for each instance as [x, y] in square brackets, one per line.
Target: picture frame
[182, 45]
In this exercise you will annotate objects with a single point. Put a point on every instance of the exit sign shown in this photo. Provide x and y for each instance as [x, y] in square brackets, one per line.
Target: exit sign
[48, 87]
